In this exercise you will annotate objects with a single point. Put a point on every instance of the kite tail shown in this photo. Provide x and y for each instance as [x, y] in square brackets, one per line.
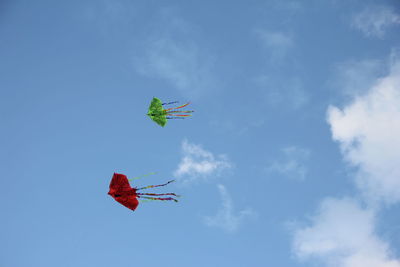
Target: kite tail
[160, 198]
[170, 103]
[178, 107]
[170, 118]
[180, 111]
[180, 115]
[165, 194]
[151, 186]
[138, 177]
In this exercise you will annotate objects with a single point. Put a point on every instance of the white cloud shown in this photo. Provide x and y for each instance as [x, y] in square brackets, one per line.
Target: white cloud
[198, 163]
[277, 43]
[181, 64]
[368, 131]
[342, 234]
[293, 6]
[292, 164]
[275, 39]
[373, 21]
[356, 77]
[226, 217]
[110, 15]
[287, 91]
[173, 55]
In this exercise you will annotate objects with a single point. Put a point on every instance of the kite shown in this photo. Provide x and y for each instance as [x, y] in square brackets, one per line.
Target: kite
[160, 115]
[123, 193]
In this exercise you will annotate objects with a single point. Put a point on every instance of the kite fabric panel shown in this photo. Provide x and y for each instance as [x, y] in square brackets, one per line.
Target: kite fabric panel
[160, 115]
[122, 192]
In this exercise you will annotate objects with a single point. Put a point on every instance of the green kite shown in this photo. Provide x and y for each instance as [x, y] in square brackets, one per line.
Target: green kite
[160, 115]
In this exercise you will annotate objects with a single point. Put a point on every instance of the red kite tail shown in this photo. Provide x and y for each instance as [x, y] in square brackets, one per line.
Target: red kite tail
[151, 186]
[160, 198]
[151, 194]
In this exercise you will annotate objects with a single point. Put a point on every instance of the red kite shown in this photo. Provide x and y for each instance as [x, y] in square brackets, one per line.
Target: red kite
[123, 193]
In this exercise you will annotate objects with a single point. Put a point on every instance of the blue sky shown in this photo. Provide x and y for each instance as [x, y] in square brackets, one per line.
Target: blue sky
[291, 157]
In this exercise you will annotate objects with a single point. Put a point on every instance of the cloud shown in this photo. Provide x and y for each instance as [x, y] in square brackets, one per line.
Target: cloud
[174, 56]
[198, 163]
[110, 15]
[277, 43]
[373, 21]
[292, 164]
[226, 217]
[231, 127]
[368, 132]
[279, 89]
[342, 234]
[283, 91]
[293, 6]
[356, 77]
